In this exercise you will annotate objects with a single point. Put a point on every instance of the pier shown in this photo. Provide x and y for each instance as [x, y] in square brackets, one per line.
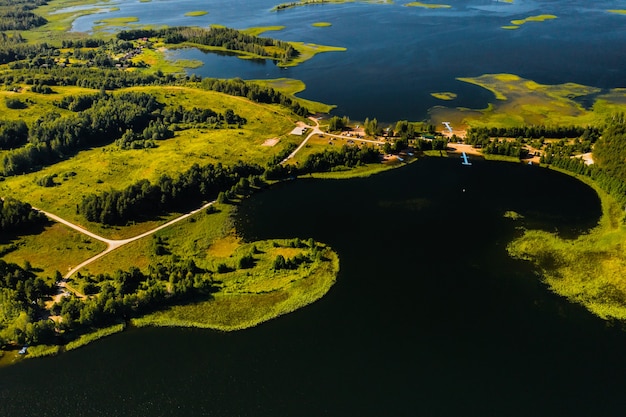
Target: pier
[465, 159]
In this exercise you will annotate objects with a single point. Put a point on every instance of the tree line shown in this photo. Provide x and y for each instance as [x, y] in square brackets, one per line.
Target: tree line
[17, 216]
[537, 131]
[144, 199]
[254, 92]
[609, 153]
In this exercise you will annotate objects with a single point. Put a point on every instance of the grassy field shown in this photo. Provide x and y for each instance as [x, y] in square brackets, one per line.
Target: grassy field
[57, 248]
[100, 169]
[190, 238]
[589, 269]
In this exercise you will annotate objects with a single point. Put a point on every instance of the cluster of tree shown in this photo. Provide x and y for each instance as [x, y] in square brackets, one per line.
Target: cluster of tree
[82, 43]
[505, 147]
[14, 48]
[609, 151]
[371, 127]
[178, 114]
[144, 199]
[131, 293]
[13, 134]
[347, 156]
[22, 296]
[230, 39]
[437, 144]
[609, 154]
[292, 263]
[298, 3]
[537, 131]
[15, 103]
[94, 78]
[18, 15]
[51, 137]
[145, 140]
[338, 123]
[17, 216]
[254, 92]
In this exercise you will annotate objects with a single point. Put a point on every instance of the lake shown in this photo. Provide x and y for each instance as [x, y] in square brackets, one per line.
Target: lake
[429, 315]
[397, 56]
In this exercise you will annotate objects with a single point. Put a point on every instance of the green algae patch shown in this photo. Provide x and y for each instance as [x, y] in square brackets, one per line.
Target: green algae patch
[428, 5]
[196, 13]
[519, 101]
[447, 96]
[256, 31]
[321, 24]
[117, 22]
[538, 18]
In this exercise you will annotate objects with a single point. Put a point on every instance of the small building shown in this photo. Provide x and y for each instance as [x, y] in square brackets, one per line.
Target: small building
[298, 131]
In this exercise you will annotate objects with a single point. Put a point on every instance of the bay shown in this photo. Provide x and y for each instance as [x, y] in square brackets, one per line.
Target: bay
[429, 315]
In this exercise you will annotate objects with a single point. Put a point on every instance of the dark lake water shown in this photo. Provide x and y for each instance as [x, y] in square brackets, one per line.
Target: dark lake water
[396, 55]
[429, 316]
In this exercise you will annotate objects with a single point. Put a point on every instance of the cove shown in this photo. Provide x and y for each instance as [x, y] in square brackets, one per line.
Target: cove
[429, 315]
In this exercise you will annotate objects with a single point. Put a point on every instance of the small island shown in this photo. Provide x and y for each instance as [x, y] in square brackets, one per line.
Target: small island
[196, 13]
[428, 5]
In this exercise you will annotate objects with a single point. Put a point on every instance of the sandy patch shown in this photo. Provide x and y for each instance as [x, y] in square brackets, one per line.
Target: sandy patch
[271, 142]
[462, 147]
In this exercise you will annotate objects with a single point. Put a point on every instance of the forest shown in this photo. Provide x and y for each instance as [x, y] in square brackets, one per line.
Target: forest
[17, 216]
[609, 154]
[18, 14]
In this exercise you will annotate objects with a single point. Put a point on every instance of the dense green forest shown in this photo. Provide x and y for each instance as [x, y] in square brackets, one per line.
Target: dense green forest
[18, 15]
[609, 153]
[17, 216]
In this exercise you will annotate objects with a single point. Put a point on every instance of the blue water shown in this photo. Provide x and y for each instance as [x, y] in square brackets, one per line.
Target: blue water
[396, 55]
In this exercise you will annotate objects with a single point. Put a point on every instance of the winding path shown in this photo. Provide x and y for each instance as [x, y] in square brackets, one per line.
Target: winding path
[113, 244]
